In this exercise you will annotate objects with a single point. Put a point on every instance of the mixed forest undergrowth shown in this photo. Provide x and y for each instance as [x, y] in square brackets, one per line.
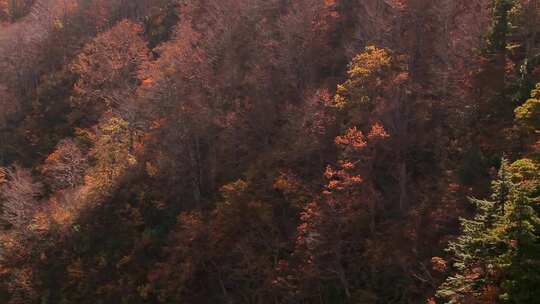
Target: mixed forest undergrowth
[269, 151]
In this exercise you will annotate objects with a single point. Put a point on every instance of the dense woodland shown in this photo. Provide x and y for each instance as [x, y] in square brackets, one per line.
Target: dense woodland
[269, 151]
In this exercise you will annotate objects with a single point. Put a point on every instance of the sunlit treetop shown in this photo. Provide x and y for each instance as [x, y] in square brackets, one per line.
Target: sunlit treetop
[528, 114]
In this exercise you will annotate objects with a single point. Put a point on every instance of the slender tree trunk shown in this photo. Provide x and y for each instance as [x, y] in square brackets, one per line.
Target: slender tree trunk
[403, 199]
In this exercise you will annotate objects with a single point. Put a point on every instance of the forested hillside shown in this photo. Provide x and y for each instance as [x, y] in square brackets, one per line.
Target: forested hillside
[269, 151]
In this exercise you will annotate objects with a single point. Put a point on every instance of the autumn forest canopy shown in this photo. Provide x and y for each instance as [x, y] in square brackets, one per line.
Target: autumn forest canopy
[270, 151]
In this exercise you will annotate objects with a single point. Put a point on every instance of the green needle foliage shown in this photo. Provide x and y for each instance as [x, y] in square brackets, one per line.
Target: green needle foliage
[497, 255]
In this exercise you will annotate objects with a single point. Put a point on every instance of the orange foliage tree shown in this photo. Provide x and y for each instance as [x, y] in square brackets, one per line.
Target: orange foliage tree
[107, 72]
[64, 168]
[327, 241]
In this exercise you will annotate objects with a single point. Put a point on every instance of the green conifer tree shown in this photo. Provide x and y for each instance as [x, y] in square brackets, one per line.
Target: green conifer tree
[476, 250]
[498, 34]
[521, 261]
[499, 249]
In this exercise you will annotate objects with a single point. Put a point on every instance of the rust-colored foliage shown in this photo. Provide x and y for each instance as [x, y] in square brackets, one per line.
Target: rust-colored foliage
[64, 168]
[107, 71]
[251, 151]
[4, 11]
